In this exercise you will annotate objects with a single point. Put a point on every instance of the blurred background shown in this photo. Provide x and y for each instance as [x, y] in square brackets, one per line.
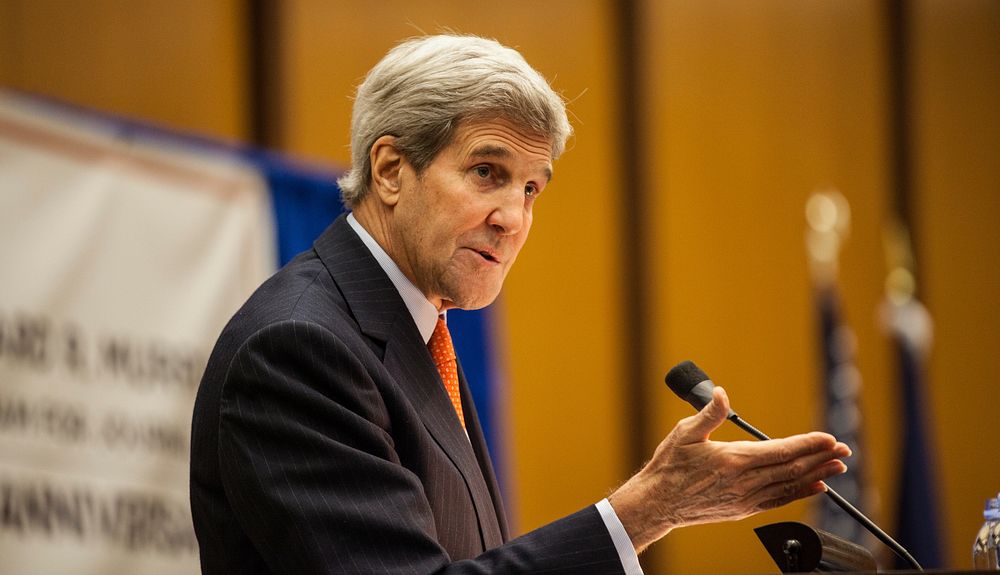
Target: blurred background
[675, 227]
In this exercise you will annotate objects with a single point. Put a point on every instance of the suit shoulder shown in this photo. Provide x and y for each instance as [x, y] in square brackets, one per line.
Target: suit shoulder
[302, 290]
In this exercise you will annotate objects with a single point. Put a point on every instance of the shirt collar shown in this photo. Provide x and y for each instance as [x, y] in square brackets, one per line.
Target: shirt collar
[424, 314]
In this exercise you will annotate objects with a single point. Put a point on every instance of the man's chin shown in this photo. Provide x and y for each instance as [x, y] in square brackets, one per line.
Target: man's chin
[470, 301]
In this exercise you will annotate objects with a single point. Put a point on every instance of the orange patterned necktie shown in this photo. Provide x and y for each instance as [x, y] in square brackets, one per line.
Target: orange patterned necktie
[443, 354]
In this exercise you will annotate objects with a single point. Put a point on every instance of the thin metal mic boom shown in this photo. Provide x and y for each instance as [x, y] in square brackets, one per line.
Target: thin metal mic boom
[842, 503]
[693, 385]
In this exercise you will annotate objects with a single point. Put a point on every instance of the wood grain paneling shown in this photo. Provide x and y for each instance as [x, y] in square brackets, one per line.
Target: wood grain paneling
[753, 107]
[175, 63]
[955, 84]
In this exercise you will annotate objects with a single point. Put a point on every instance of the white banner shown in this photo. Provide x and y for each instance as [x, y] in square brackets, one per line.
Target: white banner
[120, 261]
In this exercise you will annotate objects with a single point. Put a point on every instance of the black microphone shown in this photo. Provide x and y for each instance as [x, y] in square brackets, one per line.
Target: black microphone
[693, 385]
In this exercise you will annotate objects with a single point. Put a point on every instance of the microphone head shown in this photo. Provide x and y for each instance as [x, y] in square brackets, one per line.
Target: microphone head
[682, 378]
[691, 384]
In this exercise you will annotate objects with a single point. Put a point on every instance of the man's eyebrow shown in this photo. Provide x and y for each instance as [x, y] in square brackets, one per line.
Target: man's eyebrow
[495, 151]
[491, 150]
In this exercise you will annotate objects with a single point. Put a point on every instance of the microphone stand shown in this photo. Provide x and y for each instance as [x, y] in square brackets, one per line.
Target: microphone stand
[842, 503]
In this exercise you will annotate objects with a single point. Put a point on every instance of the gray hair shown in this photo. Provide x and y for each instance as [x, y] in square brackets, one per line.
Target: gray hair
[424, 88]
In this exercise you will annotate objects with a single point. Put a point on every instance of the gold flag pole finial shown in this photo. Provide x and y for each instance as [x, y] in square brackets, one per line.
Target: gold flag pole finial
[900, 283]
[828, 215]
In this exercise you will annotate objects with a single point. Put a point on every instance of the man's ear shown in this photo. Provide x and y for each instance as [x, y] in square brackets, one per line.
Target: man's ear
[387, 163]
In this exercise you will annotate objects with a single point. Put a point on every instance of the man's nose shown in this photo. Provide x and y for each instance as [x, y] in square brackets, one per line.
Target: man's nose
[508, 215]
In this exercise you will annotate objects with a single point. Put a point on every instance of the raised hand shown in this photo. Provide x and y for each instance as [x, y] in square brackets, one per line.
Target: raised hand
[692, 479]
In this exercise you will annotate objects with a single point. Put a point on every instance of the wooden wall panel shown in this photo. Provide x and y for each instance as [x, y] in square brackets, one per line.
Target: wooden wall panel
[178, 63]
[753, 107]
[956, 91]
[560, 306]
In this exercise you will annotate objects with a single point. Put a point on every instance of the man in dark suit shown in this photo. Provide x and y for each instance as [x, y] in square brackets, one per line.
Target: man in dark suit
[333, 432]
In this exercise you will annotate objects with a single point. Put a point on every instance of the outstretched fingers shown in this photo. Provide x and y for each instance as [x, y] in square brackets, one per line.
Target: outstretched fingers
[785, 459]
[789, 449]
[778, 485]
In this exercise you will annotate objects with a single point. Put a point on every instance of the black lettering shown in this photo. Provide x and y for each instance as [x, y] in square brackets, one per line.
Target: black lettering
[116, 356]
[38, 509]
[43, 418]
[11, 515]
[121, 432]
[151, 364]
[13, 414]
[39, 343]
[131, 520]
[25, 340]
[74, 352]
[139, 522]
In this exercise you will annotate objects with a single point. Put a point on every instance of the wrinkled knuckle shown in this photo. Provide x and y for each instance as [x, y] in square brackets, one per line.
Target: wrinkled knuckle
[796, 469]
[784, 453]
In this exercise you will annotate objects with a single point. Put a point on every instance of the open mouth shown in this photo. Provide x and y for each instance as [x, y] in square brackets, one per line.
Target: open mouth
[488, 256]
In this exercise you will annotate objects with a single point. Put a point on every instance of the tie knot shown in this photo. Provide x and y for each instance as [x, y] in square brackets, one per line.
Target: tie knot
[440, 345]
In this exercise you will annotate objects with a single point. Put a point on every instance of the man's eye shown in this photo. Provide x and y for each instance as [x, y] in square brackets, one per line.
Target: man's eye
[530, 191]
[483, 171]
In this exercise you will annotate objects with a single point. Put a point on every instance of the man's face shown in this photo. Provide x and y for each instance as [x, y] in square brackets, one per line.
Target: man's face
[459, 225]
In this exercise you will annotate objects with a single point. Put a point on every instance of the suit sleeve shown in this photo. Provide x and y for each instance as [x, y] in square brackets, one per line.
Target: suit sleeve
[311, 473]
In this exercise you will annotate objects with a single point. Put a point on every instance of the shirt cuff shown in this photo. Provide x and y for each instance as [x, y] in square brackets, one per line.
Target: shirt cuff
[623, 543]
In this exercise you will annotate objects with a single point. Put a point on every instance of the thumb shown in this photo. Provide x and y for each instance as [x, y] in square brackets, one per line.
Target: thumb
[712, 415]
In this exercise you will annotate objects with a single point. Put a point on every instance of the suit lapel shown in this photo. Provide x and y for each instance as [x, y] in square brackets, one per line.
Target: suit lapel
[382, 315]
[478, 441]
[415, 371]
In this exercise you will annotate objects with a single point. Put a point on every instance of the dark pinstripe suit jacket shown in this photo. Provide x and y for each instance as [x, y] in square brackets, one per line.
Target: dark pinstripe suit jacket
[324, 442]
